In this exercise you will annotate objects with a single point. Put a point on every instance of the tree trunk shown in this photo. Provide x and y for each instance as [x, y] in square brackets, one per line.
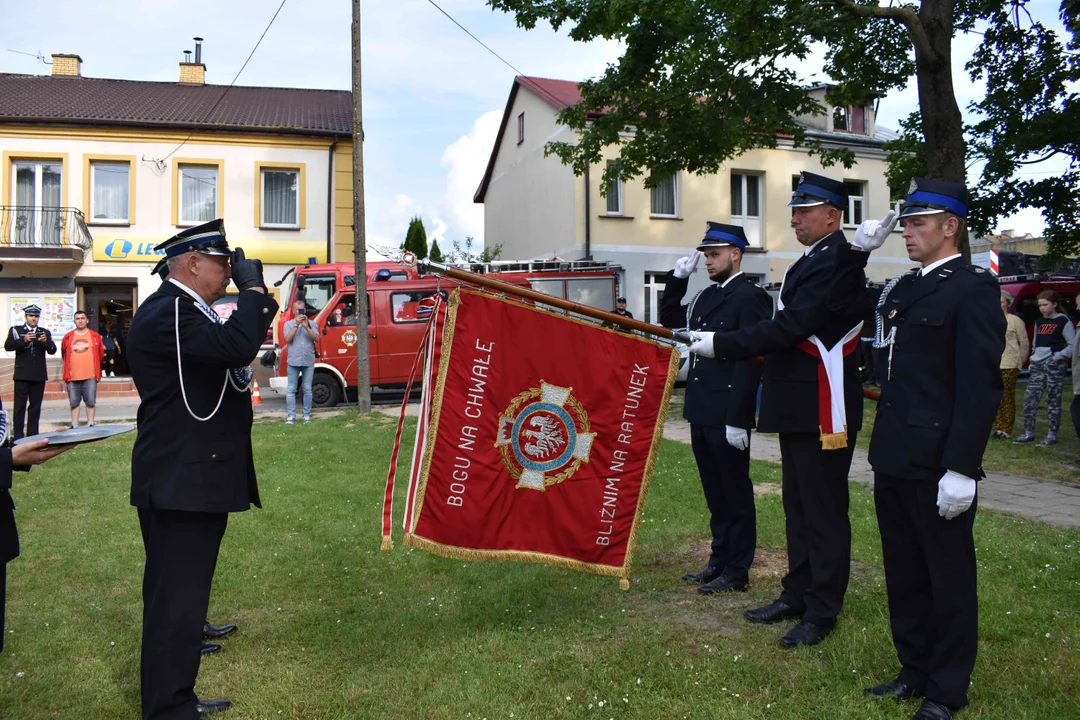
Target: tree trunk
[943, 126]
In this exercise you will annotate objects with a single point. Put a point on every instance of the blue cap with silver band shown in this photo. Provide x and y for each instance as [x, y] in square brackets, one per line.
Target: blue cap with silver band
[721, 235]
[208, 239]
[818, 190]
[930, 197]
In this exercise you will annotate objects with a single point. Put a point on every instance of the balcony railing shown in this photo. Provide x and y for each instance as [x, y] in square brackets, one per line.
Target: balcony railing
[25, 226]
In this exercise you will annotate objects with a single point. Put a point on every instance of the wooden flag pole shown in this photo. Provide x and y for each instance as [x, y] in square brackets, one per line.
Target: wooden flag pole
[571, 306]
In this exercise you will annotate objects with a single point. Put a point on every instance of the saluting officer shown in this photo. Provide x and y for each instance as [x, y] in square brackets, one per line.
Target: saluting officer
[192, 461]
[721, 399]
[30, 343]
[811, 394]
[941, 332]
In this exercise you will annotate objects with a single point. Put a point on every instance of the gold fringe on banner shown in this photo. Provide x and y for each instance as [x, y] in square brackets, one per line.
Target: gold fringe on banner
[387, 543]
[833, 441]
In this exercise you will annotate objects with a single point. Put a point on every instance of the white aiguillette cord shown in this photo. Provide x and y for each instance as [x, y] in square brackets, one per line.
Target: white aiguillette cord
[180, 372]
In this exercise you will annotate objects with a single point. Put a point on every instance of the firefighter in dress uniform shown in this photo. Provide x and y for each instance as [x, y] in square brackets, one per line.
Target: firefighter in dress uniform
[721, 400]
[811, 394]
[192, 462]
[30, 343]
[940, 332]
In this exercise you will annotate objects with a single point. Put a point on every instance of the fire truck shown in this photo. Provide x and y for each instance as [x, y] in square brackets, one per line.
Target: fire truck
[396, 319]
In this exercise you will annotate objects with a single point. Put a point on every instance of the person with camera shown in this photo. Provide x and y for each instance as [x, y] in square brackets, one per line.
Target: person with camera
[30, 343]
[300, 338]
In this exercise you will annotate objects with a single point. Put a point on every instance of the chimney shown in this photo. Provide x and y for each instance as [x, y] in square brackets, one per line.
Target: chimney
[193, 73]
[66, 65]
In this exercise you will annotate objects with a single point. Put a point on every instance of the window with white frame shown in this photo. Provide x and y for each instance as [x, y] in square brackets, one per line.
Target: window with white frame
[614, 193]
[665, 198]
[198, 193]
[856, 192]
[654, 295]
[280, 206]
[746, 205]
[521, 128]
[110, 187]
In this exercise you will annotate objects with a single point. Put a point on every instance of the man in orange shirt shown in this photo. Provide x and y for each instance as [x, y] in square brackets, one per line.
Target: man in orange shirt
[82, 351]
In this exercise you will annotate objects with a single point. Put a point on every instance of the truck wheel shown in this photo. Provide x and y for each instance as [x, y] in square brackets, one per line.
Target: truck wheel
[325, 390]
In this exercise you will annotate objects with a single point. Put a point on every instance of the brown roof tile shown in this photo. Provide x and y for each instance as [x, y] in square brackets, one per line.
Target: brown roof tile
[99, 101]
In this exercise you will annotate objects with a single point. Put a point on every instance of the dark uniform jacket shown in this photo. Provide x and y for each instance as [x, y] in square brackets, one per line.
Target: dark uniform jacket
[937, 410]
[178, 462]
[30, 356]
[9, 536]
[789, 384]
[719, 392]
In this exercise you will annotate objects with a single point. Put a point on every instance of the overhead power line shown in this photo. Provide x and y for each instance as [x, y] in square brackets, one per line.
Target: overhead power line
[525, 79]
[235, 78]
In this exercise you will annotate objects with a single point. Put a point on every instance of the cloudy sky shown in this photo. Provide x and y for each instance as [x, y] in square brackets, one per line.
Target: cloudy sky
[432, 96]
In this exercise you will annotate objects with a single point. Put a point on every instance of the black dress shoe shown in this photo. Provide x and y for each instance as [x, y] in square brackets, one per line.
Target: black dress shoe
[209, 648]
[894, 689]
[209, 632]
[806, 633]
[707, 575]
[930, 710]
[773, 612]
[723, 584]
[205, 707]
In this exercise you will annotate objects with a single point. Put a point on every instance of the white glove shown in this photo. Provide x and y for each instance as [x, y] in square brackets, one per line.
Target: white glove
[872, 233]
[685, 266]
[702, 344]
[955, 493]
[737, 438]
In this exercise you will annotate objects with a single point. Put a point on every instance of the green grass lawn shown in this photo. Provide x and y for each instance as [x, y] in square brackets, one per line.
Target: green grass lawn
[330, 627]
[1055, 462]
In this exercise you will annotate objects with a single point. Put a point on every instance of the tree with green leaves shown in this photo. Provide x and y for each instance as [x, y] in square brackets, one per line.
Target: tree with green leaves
[416, 239]
[436, 254]
[703, 81]
[466, 252]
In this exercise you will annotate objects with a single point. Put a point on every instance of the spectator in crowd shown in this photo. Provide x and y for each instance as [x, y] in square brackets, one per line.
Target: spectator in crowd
[1074, 408]
[1050, 354]
[300, 338]
[112, 340]
[30, 343]
[82, 350]
[1012, 362]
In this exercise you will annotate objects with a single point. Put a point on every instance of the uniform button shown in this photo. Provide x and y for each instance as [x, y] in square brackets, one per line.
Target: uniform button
[923, 320]
[214, 456]
[266, 310]
[888, 404]
[937, 424]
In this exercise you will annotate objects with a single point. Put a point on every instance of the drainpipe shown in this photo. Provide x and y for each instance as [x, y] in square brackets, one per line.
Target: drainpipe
[588, 216]
[330, 203]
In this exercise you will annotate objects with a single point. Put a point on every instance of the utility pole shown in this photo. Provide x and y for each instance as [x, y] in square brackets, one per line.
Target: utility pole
[363, 361]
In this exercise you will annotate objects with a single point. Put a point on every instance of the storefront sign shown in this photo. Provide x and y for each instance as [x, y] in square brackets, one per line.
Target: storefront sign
[271, 252]
[57, 312]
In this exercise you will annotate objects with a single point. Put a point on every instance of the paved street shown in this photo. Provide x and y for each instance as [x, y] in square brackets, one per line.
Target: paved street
[1051, 501]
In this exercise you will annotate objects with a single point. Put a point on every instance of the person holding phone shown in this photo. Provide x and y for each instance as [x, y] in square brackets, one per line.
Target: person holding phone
[30, 343]
[300, 338]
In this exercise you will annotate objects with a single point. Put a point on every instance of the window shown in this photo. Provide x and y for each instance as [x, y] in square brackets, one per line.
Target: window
[856, 191]
[850, 118]
[38, 198]
[344, 314]
[406, 307]
[614, 194]
[198, 194]
[840, 118]
[594, 292]
[746, 205]
[665, 198]
[110, 192]
[521, 128]
[316, 291]
[280, 199]
[654, 295]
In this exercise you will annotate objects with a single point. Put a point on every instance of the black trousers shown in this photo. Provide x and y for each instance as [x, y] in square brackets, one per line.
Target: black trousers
[729, 493]
[181, 554]
[815, 487]
[3, 601]
[930, 579]
[26, 390]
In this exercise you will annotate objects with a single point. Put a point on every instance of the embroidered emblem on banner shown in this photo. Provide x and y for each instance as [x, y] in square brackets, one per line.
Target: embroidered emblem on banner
[349, 338]
[544, 436]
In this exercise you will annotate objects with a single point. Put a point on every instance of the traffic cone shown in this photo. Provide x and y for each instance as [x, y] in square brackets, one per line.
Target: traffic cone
[256, 398]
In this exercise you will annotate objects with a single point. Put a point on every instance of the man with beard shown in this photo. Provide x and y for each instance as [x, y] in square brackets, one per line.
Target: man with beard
[811, 394]
[192, 462]
[721, 401]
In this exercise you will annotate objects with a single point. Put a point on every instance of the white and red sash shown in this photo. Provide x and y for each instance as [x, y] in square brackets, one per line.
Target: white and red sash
[832, 411]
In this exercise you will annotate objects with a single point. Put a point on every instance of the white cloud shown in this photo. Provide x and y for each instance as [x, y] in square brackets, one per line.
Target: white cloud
[467, 159]
[388, 221]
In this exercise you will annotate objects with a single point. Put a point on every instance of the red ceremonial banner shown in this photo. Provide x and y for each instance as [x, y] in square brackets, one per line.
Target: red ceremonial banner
[542, 434]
